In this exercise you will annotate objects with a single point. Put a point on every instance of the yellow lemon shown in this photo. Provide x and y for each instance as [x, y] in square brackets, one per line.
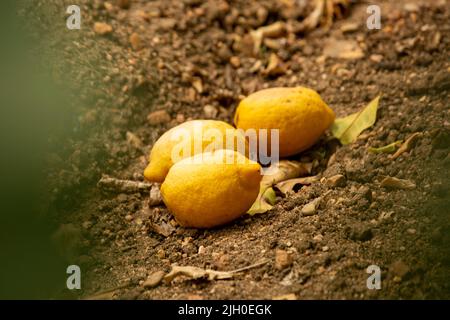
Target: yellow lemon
[299, 113]
[189, 139]
[211, 189]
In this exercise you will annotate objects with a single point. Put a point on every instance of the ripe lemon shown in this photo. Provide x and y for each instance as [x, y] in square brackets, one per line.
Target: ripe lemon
[299, 113]
[211, 189]
[189, 139]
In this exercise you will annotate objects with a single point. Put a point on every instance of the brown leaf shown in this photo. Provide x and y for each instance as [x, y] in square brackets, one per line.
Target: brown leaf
[281, 171]
[274, 30]
[158, 221]
[163, 228]
[275, 66]
[257, 39]
[197, 84]
[208, 274]
[313, 20]
[407, 145]
[285, 170]
[155, 196]
[288, 186]
[196, 273]
[289, 296]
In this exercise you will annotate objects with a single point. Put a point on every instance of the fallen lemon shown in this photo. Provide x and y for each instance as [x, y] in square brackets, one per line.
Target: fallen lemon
[299, 113]
[211, 189]
[189, 139]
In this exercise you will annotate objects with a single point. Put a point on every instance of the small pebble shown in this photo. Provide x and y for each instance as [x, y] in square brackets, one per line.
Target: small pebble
[201, 250]
[283, 259]
[311, 208]
[102, 28]
[235, 61]
[161, 254]
[158, 117]
[135, 41]
[337, 181]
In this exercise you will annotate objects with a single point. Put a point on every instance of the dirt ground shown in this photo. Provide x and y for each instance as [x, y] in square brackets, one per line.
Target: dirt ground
[194, 60]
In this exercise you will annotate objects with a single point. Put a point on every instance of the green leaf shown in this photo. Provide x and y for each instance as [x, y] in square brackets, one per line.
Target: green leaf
[270, 196]
[264, 202]
[348, 129]
[390, 148]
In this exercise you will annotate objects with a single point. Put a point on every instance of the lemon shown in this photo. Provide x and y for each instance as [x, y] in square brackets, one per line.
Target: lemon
[189, 139]
[299, 113]
[211, 188]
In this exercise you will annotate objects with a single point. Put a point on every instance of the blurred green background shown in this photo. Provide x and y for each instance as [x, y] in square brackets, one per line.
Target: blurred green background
[33, 109]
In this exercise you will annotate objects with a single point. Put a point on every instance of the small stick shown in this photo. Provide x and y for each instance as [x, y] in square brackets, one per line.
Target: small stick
[252, 266]
[126, 186]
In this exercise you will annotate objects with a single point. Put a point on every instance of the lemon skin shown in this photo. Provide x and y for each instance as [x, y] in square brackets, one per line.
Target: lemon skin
[161, 160]
[299, 113]
[202, 193]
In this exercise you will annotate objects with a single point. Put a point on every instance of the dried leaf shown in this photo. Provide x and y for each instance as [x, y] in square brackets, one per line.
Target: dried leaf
[348, 129]
[197, 84]
[275, 66]
[395, 183]
[196, 273]
[155, 196]
[280, 171]
[165, 229]
[274, 30]
[289, 296]
[158, 221]
[264, 202]
[310, 208]
[199, 273]
[407, 145]
[386, 149]
[284, 170]
[288, 186]
[313, 20]
[257, 38]
[255, 68]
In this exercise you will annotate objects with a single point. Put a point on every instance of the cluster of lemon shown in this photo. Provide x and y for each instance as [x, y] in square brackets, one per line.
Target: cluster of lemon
[207, 186]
